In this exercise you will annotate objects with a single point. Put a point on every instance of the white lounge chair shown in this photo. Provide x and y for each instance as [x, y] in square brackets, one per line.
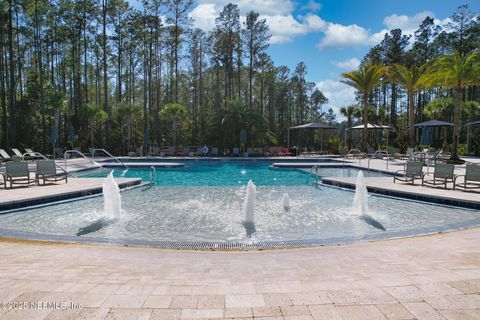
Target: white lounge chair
[5, 156]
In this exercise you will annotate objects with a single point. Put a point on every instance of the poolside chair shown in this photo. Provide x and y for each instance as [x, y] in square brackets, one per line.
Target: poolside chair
[47, 171]
[17, 173]
[59, 152]
[471, 178]
[442, 174]
[412, 170]
[185, 152]
[139, 151]
[171, 151]
[236, 152]
[5, 156]
[260, 152]
[249, 151]
[215, 152]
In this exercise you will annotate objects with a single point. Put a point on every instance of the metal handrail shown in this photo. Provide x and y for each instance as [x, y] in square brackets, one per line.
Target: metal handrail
[82, 155]
[110, 155]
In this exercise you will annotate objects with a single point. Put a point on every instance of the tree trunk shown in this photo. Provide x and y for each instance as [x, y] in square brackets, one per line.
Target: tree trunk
[11, 92]
[365, 122]
[456, 123]
[105, 80]
[411, 119]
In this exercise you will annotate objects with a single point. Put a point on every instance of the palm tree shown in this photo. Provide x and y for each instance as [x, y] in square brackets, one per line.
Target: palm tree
[455, 72]
[411, 78]
[348, 112]
[365, 80]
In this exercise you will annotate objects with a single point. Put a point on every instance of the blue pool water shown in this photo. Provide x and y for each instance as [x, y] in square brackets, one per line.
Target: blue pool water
[204, 203]
[229, 174]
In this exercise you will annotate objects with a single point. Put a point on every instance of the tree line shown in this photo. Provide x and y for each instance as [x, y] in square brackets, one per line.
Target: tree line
[401, 82]
[103, 73]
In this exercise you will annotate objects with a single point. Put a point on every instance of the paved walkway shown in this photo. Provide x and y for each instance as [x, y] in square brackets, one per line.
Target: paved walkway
[431, 277]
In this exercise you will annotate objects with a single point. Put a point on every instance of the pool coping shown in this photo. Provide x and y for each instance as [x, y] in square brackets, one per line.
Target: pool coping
[430, 198]
[7, 206]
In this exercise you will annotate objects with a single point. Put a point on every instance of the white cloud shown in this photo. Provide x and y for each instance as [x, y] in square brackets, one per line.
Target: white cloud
[204, 16]
[312, 5]
[340, 36]
[338, 94]
[284, 28]
[405, 22]
[349, 64]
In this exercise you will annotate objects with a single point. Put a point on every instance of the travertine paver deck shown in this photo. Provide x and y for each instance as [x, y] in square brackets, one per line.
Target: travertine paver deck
[74, 185]
[431, 277]
[386, 183]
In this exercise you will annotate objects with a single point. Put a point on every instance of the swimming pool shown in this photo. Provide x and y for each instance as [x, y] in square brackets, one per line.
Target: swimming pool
[201, 206]
[228, 173]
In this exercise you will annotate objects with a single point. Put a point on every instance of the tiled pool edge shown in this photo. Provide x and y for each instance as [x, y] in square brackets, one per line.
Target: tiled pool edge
[407, 195]
[19, 204]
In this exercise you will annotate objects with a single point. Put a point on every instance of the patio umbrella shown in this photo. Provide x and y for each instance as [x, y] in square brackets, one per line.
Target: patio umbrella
[427, 136]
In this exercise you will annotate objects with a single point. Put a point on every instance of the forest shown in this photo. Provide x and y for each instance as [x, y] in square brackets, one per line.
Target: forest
[86, 73]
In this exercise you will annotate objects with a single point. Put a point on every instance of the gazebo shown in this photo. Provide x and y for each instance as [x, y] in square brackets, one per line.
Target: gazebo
[369, 127]
[475, 124]
[428, 125]
[310, 126]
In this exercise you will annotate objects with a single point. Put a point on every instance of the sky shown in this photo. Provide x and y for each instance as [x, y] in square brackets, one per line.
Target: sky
[330, 36]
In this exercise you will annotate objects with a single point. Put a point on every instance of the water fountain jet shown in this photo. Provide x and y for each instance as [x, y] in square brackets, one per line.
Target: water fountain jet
[112, 207]
[286, 202]
[360, 203]
[249, 208]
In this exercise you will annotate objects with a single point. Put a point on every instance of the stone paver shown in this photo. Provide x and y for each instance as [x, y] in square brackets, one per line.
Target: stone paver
[430, 277]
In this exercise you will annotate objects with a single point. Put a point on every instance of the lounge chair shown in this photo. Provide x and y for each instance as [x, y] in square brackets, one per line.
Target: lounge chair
[442, 174]
[47, 171]
[215, 152]
[236, 152]
[471, 178]
[139, 152]
[356, 154]
[5, 156]
[260, 152]
[31, 153]
[412, 170]
[249, 152]
[185, 152]
[17, 153]
[17, 173]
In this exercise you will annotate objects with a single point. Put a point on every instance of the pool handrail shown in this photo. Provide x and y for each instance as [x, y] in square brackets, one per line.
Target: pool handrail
[110, 155]
[83, 156]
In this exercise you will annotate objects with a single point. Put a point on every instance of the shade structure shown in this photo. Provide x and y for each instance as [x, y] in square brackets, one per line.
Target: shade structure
[427, 136]
[370, 126]
[473, 124]
[434, 123]
[311, 126]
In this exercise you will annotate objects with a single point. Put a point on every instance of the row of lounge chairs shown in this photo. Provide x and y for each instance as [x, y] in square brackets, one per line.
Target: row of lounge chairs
[442, 175]
[214, 151]
[17, 172]
[17, 154]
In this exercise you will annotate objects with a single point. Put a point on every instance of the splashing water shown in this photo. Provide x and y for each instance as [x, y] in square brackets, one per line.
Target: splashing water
[286, 202]
[360, 202]
[112, 202]
[249, 202]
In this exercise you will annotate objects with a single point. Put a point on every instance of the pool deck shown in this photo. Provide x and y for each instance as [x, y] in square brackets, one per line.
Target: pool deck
[142, 164]
[430, 277]
[386, 186]
[76, 187]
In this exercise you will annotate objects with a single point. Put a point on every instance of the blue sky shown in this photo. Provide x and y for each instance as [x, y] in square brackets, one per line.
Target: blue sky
[330, 36]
